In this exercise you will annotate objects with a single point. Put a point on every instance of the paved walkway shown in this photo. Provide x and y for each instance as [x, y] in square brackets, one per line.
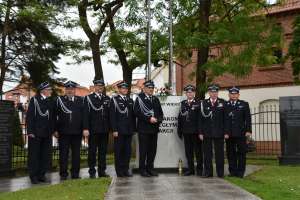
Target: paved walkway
[164, 187]
[15, 184]
[174, 187]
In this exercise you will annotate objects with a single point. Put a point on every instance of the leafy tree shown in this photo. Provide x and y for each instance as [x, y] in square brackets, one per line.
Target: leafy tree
[93, 20]
[294, 50]
[243, 37]
[128, 37]
[28, 44]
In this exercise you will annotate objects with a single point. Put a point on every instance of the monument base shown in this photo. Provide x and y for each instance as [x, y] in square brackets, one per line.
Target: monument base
[289, 160]
[162, 170]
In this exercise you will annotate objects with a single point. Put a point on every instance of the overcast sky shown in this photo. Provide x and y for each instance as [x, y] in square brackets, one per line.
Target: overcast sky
[84, 73]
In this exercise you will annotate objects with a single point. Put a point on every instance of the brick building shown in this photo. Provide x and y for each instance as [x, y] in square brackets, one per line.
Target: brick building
[263, 86]
[22, 93]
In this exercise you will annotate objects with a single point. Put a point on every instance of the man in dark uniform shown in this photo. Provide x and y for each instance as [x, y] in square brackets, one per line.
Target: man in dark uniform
[150, 115]
[239, 126]
[69, 126]
[188, 130]
[96, 128]
[123, 125]
[212, 130]
[40, 127]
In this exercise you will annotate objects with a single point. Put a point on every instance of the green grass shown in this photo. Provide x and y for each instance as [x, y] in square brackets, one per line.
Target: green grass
[85, 189]
[272, 182]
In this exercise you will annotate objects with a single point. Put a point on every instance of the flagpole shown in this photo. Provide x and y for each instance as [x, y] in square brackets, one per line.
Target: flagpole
[172, 70]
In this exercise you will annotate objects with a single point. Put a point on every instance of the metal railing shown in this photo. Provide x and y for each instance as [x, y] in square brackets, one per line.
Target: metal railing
[266, 131]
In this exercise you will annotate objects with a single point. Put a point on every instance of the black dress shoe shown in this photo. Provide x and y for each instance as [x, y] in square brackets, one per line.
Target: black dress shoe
[34, 181]
[199, 173]
[120, 175]
[103, 174]
[42, 179]
[127, 174]
[188, 173]
[145, 174]
[152, 173]
[207, 176]
[63, 178]
[240, 176]
[76, 177]
[92, 176]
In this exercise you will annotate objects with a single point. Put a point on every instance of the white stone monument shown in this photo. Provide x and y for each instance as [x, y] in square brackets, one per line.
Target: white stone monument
[170, 149]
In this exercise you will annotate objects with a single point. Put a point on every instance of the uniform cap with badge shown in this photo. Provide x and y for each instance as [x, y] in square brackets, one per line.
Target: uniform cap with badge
[70, 84]
[43, 86]
[189, 88]
[234, 90]
[99, 82]
[149, 84]
[213, 88]
[123, 84]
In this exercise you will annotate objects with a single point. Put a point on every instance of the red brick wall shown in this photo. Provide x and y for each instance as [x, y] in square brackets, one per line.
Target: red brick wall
[260, 77]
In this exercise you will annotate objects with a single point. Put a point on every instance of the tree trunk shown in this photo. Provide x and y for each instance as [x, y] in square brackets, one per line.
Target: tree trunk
[203, 52]
[127, 70]
[95, 46]
[3, 67]
[2, 77]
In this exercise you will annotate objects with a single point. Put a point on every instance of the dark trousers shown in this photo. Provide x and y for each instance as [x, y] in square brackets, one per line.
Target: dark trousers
[236, 154]
[193, 146]
[216, 144]
[39, 155]
[147, 150]
[122, 148]
[67, 142]
[97, 143]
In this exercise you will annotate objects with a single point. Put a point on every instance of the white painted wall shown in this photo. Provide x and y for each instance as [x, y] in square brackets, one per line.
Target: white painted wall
[257, 95]
[160, 76]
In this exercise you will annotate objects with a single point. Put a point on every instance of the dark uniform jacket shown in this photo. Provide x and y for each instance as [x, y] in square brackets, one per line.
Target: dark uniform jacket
[69, 115]
[212, 120]
[40, 118]
[143, 122]
[96, 113]
[188, 117]
[122, 118]
[239, 118]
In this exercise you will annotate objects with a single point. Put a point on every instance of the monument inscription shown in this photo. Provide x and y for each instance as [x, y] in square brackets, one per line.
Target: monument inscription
[170, 149]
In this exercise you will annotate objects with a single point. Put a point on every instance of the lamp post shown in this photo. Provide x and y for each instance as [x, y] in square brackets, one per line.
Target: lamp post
[148, 69]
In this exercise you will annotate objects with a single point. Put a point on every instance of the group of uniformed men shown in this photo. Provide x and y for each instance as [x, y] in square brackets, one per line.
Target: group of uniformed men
[205, 124]
[202, 124]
